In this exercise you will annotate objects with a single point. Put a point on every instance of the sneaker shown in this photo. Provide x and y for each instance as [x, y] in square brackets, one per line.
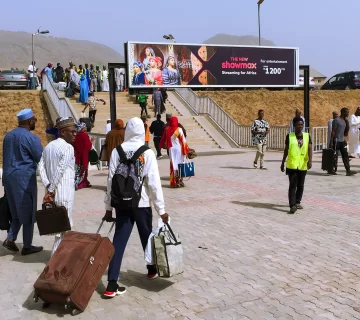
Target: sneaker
[255, 165]
[292, 210]
[113, 289]
[350, 173]
[10, 245]
[299, 206]
[159, 157]
[31, 250]
[262, 168]
[152, 272]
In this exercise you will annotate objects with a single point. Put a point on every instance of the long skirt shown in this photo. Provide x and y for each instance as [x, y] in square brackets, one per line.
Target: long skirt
[81, 176]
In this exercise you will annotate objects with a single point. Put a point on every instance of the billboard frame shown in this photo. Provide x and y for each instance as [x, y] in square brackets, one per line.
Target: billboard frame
[127, 48]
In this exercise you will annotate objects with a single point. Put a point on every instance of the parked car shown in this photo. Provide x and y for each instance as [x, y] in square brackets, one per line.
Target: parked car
[13, 79]
[312, 83]
[343, 81]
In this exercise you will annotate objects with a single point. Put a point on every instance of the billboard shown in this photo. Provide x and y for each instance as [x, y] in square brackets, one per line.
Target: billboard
[197, 65]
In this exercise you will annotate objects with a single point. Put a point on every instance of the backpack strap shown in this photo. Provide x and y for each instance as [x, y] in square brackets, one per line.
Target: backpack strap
[138, 153]
[122, 154]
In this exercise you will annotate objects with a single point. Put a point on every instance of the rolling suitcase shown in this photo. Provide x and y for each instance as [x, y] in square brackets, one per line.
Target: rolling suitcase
[329, 160]
[74, 271]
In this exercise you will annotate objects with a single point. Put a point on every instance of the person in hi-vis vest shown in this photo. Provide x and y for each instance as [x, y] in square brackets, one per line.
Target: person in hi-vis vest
[298, 151]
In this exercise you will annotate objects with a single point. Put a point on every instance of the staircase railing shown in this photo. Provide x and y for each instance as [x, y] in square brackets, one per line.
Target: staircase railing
[58, 99]
[240, 134]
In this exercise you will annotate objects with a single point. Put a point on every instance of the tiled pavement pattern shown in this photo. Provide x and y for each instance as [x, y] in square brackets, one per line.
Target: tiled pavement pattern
[246, 258]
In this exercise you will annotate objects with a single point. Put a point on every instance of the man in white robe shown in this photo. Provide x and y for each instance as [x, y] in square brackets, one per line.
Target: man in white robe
[105, 80]
[354, 143]
[57, 171]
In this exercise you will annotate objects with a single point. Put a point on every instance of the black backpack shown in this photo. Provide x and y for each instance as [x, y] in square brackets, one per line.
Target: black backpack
[126, 186]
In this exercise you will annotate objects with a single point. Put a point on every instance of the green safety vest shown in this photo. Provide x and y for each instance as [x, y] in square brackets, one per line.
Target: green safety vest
[298, 157]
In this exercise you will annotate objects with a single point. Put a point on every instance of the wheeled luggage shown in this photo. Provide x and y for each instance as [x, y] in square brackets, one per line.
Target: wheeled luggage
[74, 271]
[329, 160]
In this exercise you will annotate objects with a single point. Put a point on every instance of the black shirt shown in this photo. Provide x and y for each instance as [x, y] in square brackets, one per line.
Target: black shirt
[157, 128]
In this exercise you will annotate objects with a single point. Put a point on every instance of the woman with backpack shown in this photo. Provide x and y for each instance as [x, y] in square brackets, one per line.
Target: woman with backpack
[178, 149]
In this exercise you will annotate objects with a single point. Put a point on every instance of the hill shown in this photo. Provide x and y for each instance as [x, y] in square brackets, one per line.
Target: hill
[222, 38]
[15, 51]
[280, 106]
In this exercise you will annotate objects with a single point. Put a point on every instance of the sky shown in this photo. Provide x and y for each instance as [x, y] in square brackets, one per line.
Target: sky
[326, 31]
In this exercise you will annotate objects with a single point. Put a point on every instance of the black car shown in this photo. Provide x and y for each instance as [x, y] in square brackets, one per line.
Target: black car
[343, 81]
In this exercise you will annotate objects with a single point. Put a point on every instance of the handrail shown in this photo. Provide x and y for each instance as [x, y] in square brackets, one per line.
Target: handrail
[59, 101]
[240, 134]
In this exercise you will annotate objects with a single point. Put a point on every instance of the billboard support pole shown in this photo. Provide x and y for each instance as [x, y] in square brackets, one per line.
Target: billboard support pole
[112, 83]
[306, 94]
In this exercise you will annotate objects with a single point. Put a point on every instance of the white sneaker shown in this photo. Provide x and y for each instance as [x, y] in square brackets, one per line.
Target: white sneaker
[160, 157]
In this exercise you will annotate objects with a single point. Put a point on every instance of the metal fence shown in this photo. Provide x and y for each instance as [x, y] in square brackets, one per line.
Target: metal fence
[60, 103]
[242, 135]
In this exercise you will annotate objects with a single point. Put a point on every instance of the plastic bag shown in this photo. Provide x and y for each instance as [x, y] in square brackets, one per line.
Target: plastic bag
[149, 255]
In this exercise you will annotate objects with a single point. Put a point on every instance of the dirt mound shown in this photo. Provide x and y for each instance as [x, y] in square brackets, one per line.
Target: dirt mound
[280, 106]
[11, 102]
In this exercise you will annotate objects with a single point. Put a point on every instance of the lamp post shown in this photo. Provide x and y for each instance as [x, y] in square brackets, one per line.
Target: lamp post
[171, 37]
[259, 4]
[33, 56]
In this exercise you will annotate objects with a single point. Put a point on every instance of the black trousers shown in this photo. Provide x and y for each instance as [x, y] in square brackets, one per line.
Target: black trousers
[92, 114]
[342, 147]
[296, 187]
[157, 147]
[143, 108]
[124, 224]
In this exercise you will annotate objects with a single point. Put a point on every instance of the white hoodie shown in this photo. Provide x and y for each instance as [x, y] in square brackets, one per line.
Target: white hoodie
[151, 190]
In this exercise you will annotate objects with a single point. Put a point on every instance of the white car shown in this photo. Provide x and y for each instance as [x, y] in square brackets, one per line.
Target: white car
[312, 83]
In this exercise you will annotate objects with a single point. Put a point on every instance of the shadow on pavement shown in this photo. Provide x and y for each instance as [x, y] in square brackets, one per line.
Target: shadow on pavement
[53, 309]
[240, 168]
[139, 280]
[270, 206]
[42, 256]
[101, 188]
[320, 174]
[102, 174]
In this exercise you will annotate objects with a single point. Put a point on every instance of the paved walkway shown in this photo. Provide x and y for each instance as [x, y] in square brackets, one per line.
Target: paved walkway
[246, 258]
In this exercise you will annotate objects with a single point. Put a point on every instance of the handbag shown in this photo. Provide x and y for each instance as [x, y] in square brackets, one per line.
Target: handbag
[168, 252]
[52, 219]
[186, 169]
[93, 157]
[5, 214]
[192, 153]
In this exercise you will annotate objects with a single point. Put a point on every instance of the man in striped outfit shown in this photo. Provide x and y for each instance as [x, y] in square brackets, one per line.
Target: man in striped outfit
[57, 170]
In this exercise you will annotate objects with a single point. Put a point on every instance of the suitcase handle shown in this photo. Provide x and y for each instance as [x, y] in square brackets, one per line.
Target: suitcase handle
[112, 226]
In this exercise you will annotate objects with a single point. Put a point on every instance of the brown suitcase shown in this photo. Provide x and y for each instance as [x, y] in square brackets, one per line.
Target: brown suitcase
[74, 271]
[52, 219]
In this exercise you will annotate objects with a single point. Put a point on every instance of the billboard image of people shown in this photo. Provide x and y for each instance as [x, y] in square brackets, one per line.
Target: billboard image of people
[190, 65]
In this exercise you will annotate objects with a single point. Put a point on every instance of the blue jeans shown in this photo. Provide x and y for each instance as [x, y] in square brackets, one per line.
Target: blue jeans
[124, 225]
[32, 83]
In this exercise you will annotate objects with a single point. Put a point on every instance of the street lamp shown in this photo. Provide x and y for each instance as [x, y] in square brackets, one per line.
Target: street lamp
[170, 36]
[259, 4]
[33, 57]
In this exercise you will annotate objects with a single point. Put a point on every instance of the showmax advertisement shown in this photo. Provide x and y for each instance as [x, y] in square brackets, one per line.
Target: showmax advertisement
[203, 65]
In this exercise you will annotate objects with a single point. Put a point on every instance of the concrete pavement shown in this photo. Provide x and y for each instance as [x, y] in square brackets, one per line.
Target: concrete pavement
[245, 257]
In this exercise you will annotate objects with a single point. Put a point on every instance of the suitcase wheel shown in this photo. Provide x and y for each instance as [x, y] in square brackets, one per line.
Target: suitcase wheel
[75, 312]
[36, 298]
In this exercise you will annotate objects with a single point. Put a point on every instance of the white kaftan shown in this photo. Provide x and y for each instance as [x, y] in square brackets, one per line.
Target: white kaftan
[354, 143]
[175, 152]
[105, 81]
[57, 172]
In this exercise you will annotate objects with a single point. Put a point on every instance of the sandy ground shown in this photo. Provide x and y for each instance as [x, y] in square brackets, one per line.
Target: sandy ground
[11, 102]
[280, 106]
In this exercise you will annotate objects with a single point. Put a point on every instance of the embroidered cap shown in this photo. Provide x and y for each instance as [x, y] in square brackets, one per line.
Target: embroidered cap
[65, 122]
[25, 114]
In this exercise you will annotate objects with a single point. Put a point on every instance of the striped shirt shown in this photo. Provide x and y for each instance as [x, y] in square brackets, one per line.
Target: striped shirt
[57, 172]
